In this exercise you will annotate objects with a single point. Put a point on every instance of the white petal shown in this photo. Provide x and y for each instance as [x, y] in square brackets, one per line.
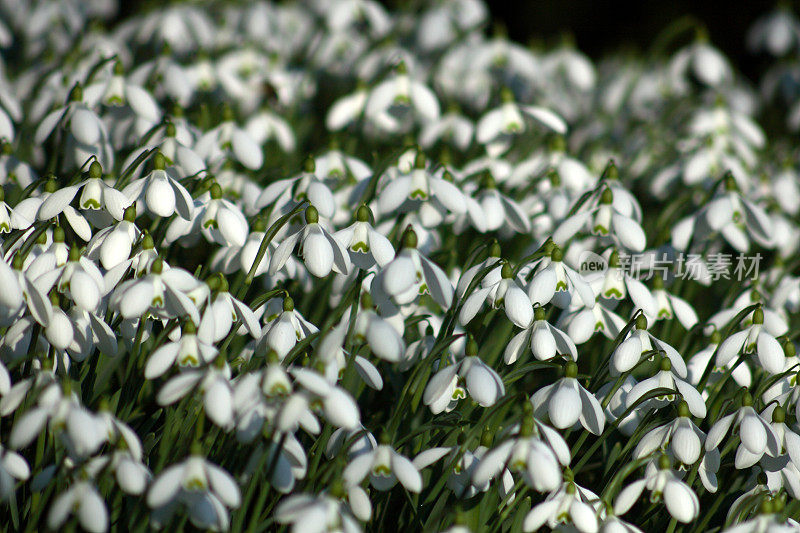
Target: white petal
[682, 503]
[406, 473]
[770, 353]
[628, 496]
[518, 307]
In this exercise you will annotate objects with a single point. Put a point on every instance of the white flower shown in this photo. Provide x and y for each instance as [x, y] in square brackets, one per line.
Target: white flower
[538, 461]
[13, 467]
[284, 328]
[755, 339]
[776, 32]
[366, 245]
[500, 289]
[682, 435]
[321, 251]
[544, 340]
[604, 217]
[385, 467]
[756, 434]
[410, 274]
[452, 127]
[113, 245]
[284, 195]
[219, 220]
[498, 126]
[555, 281]
[117, 91]
[699, 362]
[159, 292]
[703, 61]
[681, 502]
[338, 406]
[325, 513]
[230, 141]
[667, 378]
[205, 489]
[400, 98]
[455, 381]
[187, 351]
[566, 402]
[161, 191]
[82, 499]
[571, 504]
[630, 351]
[420, 189]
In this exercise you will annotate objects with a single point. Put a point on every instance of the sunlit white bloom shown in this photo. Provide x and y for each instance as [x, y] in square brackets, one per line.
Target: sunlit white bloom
[161, 192]
[13, 468]
[755, 339]
[543, 339]
[399, 99]
[500, 290]
[571, 504]
[321, 251]
[230, 141]
[681, 501]
[667, 378]
[467, 376]
[385, 467]
[203, 488]
[566, 402]
[82, 499]
[410, 274]
[366, 245]
[756, 434]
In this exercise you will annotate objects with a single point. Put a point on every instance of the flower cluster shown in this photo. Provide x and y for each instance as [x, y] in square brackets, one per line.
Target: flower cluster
[319, 266]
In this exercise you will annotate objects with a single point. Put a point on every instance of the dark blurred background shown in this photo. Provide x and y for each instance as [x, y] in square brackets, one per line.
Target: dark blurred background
[599, 27]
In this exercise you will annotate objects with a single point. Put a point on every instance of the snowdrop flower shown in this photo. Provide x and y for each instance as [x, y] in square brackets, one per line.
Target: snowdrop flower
[769, 519]
[756, 434]
[618, 284]
[682, 435]
[681, 502]
[87, 135]
[284, 327]
[384, 338]
[21, 292]
[704, 62]
[452, 127]
[385, 467]
[699, 362]
[187, 351]
[347, 109]
[213, 382]
[776, 32]
[538, 461]
[667, 378]
[499, 210]
[459, 478]
[159, 292]
[499, 291]
[420, 189]
[570, 504]
[161, 191]
[205, 489]
[284, 195]
[498, 126]
[469, 375]
[229, 141]
[113, 245]
[79, 278]
[82, 499]
[566, 402]
[366, 245]
[410, 274]
[545, 341]
[74, 218]
[630, 351]
[333, 511]
[338, 406]
[266, 125]
[223, 311]
[555, 281]
[96, 195]
[670, 306]
[13, 467]
[755, 339]
[603, 217]
[400, 98]
[9, 218]
[117, 91]
[219, 220]
[320, 250]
